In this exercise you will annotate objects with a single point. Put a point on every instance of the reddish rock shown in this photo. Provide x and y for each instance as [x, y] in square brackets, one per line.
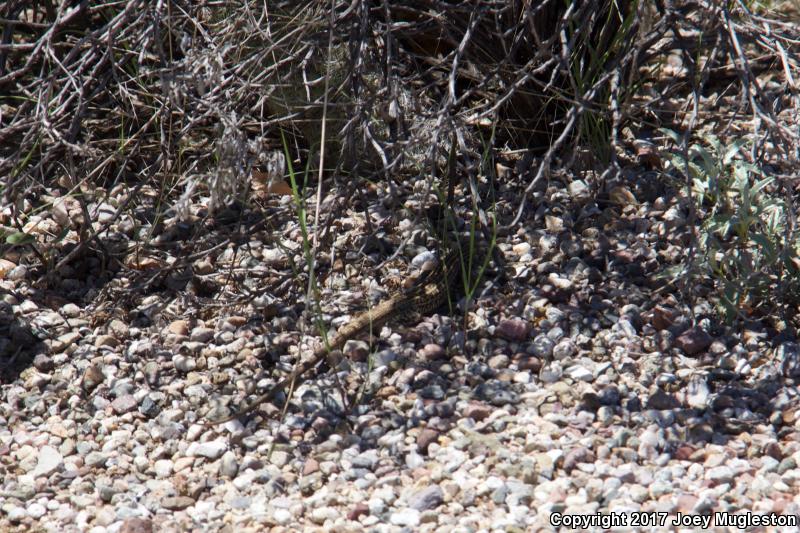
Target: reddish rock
[179, 327]
[136, 525]
[699, 455]
[92, 377]
[694, 341]
[514, 329]
[773, 449]
[576, 456]
[432, 352]
[477, 411]
[124, 404]
[557, 496]
[311, 465]
[425, 438]
[627, 256]
[685, 503]
[528, 362]
[781, 502]
[684, 453]
[662, 317]
[359, 510]
[661, 401]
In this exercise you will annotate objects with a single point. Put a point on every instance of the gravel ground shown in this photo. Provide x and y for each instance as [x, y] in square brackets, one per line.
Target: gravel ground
[581, 385]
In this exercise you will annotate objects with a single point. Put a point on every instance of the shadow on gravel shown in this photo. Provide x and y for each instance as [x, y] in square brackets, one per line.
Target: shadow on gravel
[19, 345]
[105, 279]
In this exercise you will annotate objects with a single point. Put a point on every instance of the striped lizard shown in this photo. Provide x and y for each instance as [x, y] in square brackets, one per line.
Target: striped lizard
[427, 295]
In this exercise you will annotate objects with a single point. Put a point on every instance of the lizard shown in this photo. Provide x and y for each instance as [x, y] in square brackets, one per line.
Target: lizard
[430, 293]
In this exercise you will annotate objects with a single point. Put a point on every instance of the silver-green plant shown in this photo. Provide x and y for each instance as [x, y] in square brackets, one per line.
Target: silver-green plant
[746, 240]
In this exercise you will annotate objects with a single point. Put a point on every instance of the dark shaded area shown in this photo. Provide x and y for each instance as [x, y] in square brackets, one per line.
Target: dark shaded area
[19, 345]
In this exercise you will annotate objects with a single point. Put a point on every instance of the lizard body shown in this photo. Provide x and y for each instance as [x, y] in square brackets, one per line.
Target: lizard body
[421, 299]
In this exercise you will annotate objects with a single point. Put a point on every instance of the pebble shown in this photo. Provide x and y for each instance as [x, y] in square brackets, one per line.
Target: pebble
[425, 438]
[499, 361]
[106, 341]
[201, 334]
[184, 364]
[542, 347]
[579, 373]
[694, 341]
[16, 514]
[579, 190]
[423, 257]
[368, 459]
[477, 411]
[513, 329]
[279, 458]
[124, 404]
[229, 465]
[432, 352]
[320, 515]
[427, 498]
[563, 350]
[43, 363]
[179, 327]
[359, 510]
[383, 358]
[36, 510]
[356, 350]
[163, 468]
[95, 459]
[212, 449]
[92, 377]
[405, 517]
[176, 503]
[49, 461]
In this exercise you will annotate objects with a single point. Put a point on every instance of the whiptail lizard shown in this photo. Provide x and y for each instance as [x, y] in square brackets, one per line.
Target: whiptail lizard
[425, 297]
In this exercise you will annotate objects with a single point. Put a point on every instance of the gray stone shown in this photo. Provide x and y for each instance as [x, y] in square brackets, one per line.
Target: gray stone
[212, 449]
[427, 498]
[48, 461]
[564, 350]
[368, 459]
[383, 358]
[720, 474]
[229, 465]
[542, 346]
[43, 363]
[578, 190]
[96, 459]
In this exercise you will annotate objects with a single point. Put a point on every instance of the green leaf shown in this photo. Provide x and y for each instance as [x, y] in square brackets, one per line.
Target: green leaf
[759, 185]
[709, 163]
[733, 151]
[676, 137]
[766, 245]
[696, 171]
[20, 238]
[672, 272]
